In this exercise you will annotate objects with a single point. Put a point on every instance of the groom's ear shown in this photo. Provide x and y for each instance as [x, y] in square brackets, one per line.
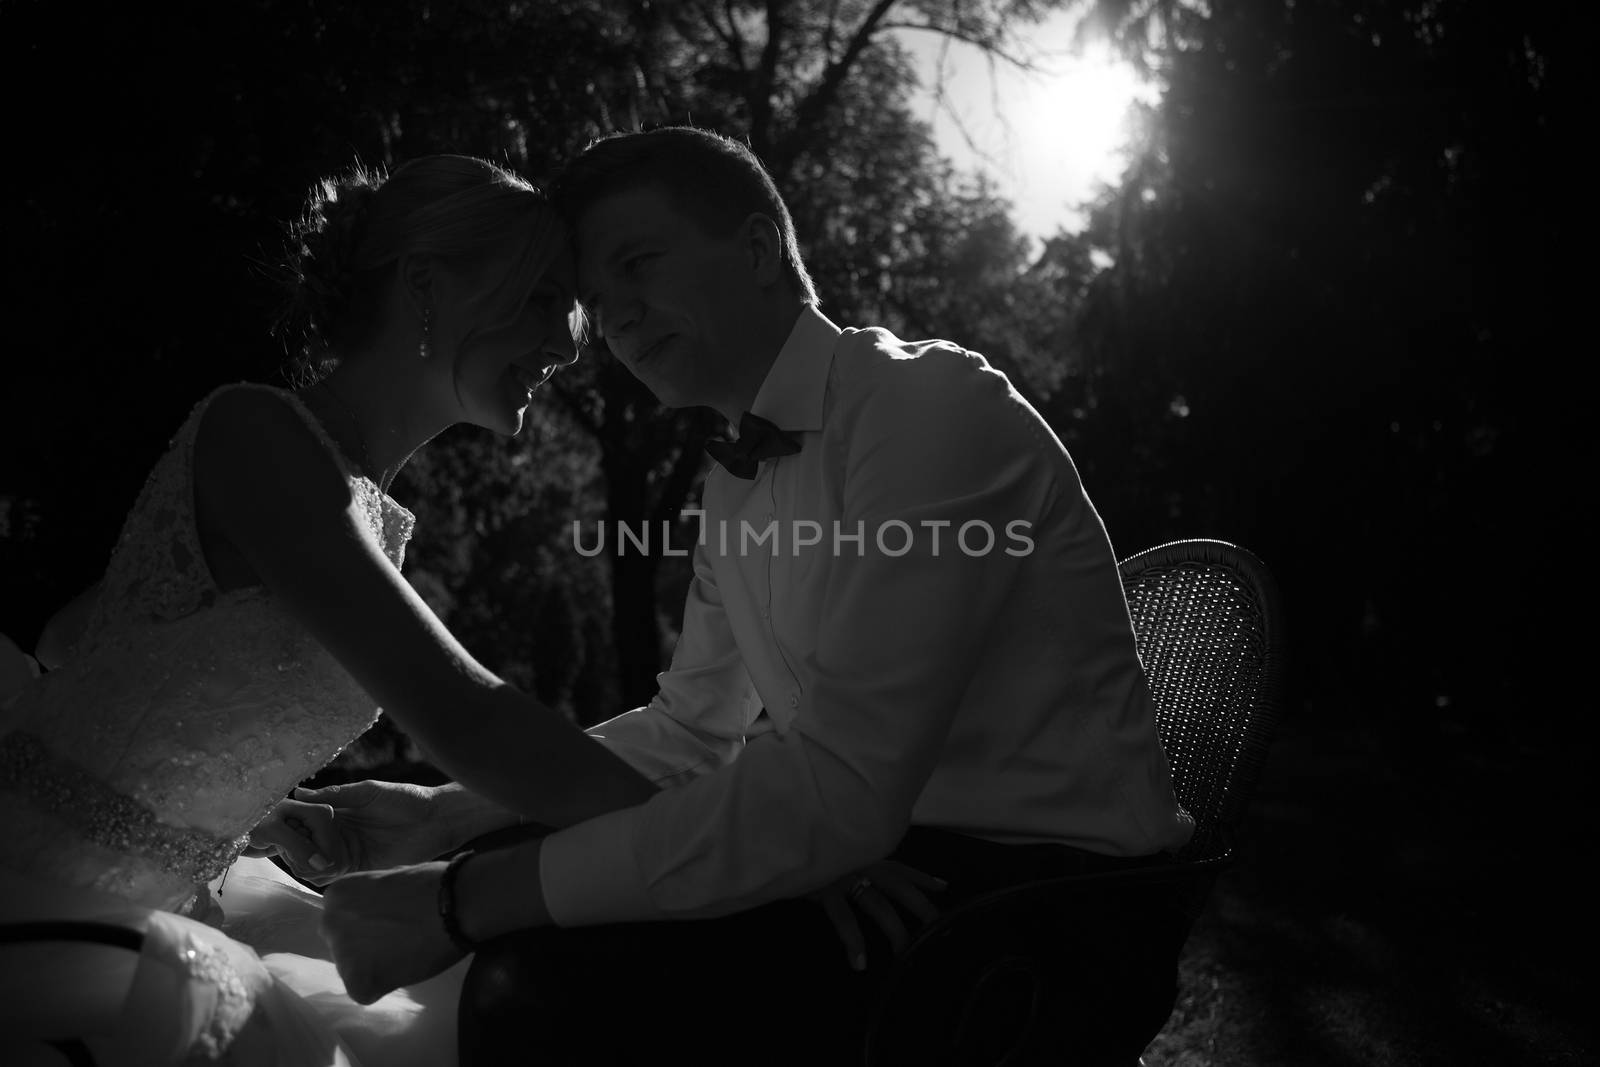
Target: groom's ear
[765, 246]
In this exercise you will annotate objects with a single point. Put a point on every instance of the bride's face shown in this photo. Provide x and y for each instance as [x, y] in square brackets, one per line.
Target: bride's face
[498, 369]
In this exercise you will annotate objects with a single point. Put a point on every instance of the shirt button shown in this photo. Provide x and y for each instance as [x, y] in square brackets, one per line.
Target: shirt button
[794, 701]
[770, 516]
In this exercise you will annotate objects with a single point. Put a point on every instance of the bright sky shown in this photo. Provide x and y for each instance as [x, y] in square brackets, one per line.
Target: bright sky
[1046, 139]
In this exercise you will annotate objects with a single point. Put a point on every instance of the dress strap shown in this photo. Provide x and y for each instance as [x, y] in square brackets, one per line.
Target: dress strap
[192, 994]
[299, 406]
[391, 523]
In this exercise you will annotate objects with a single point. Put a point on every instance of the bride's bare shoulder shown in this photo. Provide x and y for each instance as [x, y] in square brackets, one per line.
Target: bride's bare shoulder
[256, 446]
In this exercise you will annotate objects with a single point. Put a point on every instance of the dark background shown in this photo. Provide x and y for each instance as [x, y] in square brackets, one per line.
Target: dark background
[1327, 332]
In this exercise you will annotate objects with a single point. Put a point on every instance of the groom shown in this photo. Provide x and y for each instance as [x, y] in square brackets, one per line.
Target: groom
[906, 636]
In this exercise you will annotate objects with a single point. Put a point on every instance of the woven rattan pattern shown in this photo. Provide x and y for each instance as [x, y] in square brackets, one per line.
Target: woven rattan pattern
[1201, 613]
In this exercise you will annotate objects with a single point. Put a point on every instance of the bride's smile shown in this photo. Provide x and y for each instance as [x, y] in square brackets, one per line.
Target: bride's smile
[437, 295]
[499, 369]
[529, 380]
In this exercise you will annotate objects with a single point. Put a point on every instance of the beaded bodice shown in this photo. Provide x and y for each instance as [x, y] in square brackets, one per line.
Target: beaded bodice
[186, 712]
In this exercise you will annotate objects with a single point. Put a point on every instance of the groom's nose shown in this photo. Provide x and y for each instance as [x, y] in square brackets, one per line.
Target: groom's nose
[619, 313]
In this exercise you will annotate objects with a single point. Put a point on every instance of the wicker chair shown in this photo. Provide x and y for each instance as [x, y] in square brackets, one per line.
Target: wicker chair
[968, 992]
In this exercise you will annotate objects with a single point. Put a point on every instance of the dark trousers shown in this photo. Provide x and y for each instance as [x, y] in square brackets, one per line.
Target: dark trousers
[772, 985]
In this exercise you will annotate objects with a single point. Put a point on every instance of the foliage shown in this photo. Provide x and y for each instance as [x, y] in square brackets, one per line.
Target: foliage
[1299, 326]
[1294, 323]
[234, 110]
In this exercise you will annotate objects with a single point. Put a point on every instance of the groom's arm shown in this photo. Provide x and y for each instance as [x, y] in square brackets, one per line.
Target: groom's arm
[694, 724]
[697, 720]
[896, 651]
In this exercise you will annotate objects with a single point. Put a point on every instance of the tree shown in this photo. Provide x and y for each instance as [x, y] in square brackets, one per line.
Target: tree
[1312, 313]
[213, 122]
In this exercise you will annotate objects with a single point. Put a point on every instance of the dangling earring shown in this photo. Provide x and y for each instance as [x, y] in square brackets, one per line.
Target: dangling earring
[425, 349]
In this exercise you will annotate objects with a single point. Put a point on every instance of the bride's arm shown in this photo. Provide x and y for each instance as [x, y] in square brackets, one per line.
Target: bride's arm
[276, 494]
[65, 628]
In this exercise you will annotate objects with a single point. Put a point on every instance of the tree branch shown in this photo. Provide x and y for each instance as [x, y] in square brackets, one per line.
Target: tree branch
[810, 110]
[735, 38]
[941, 102]
[759, 95]
[830, 32]
[729, 37]
[991, 48]
[683, 21]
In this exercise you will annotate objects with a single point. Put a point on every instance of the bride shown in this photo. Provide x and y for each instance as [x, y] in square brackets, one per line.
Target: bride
[250, 623]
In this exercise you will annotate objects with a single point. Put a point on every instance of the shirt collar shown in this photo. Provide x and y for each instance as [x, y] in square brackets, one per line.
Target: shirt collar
[791, 394]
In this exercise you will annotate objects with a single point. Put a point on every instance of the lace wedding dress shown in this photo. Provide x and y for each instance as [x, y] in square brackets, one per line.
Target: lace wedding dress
[133, 774]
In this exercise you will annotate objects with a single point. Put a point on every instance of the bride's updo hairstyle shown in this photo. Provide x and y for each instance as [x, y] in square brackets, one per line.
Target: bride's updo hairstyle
[343, 249]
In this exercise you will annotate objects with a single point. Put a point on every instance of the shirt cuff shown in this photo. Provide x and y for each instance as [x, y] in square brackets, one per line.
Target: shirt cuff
[590, 876]
[658, 767]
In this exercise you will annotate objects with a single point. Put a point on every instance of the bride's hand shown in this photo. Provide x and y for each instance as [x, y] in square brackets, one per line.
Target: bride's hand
[875, 891]
[301, 833]
[360, 826]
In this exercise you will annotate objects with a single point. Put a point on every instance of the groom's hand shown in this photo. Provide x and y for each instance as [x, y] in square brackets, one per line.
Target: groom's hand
[385, 931]
[361, 826]
[881, 892]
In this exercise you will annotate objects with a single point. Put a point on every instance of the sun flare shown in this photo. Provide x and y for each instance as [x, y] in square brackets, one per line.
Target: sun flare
[1049, 137]
[1076, 119]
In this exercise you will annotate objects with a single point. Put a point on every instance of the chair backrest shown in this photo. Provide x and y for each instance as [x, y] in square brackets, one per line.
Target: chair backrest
[1210, 634]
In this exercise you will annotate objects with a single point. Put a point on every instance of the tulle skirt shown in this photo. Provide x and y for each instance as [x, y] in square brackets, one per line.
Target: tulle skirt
[265, 908]
[259, 992]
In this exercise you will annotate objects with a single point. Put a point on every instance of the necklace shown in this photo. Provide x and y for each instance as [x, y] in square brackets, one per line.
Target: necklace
[355, 424]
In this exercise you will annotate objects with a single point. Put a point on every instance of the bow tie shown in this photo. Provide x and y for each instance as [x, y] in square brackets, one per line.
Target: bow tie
[758, 440]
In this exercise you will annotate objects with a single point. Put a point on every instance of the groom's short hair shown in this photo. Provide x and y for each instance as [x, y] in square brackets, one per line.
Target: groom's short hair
[713, 179]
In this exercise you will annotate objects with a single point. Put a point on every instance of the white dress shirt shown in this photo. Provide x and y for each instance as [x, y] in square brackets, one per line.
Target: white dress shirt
[966, 663]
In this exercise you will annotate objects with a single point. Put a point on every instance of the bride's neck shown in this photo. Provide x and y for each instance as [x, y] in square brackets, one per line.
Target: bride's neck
[386, 416]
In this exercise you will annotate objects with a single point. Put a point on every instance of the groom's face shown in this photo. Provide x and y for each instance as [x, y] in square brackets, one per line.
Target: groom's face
[670, 300]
